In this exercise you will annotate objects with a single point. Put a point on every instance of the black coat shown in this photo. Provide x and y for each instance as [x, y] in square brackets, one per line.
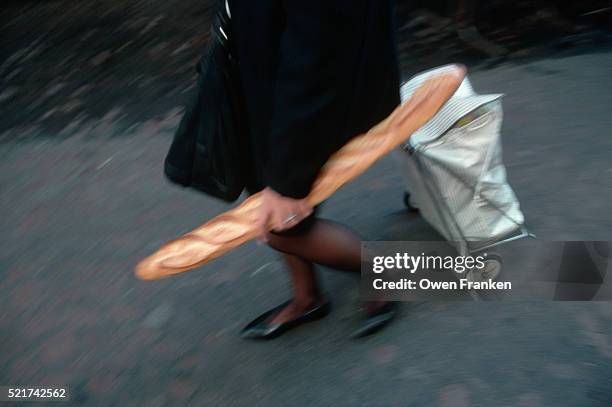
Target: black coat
[315, 73]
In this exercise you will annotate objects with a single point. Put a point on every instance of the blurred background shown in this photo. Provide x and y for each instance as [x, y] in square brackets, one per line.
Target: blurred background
[90, 94]
[63, 61]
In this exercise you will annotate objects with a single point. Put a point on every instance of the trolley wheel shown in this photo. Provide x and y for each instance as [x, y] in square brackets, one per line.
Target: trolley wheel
[493, 266]
[408, 204]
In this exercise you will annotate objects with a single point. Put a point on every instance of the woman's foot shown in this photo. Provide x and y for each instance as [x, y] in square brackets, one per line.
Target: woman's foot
[378, 315]
[284, 317]
[294, 309]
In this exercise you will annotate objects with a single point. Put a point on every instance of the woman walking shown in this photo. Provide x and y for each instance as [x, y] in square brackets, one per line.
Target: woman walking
[314, 74]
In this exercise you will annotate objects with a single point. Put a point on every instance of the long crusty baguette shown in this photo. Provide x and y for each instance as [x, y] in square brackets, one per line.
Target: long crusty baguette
[238, 225]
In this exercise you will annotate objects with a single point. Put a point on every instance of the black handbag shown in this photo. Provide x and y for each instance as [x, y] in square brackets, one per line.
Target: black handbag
[209, 149]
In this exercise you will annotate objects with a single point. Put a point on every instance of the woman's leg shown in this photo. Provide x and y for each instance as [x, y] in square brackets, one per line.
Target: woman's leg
[324, 242]
[306, 293]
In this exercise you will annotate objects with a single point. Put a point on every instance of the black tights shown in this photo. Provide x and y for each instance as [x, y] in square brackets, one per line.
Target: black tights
[324, 242]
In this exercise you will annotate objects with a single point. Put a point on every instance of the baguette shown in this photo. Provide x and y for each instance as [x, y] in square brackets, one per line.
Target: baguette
[236, 226]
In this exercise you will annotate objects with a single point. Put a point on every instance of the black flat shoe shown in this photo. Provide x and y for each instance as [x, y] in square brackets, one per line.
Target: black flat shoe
[376, 321]
[259, 328]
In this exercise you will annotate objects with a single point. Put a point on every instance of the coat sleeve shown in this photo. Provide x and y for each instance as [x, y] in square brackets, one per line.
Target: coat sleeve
[319, 53]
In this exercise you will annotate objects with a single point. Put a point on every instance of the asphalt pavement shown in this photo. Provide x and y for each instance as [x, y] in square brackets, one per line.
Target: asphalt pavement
[78, 212]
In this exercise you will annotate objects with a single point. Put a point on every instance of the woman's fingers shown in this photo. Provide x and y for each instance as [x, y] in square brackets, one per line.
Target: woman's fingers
[306, 208]
[280, 213]
[292, 214]
[264, 218]
[285, 219]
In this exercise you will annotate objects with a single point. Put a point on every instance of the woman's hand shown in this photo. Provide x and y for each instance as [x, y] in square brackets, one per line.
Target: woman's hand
[280, 212]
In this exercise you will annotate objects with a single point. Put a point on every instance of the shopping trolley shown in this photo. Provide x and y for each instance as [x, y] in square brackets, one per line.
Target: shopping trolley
[456, 179]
